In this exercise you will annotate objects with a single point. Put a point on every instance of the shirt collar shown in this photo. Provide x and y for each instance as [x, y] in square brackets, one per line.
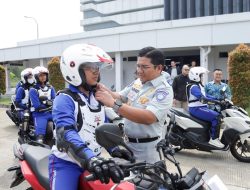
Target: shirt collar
[38, 85]
[215, 83]
[74, 89]
[155, 82]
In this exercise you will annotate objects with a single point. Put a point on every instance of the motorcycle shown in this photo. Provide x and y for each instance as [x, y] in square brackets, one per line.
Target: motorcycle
[33, 167]
[13, 112]
[26, 133]
[186, 131]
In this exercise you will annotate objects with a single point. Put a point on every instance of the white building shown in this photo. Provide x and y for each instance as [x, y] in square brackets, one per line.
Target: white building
[203, 30]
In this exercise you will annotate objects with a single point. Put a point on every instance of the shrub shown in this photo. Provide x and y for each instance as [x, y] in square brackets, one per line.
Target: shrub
[2, 80]
[55, 76]
[12, 75]
[239, 75]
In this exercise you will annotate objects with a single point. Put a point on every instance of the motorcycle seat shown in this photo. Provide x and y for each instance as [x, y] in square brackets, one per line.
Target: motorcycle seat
[183, 113]
[37, 158]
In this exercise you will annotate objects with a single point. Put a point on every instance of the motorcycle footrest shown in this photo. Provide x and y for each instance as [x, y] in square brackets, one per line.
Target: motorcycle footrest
[13, 168]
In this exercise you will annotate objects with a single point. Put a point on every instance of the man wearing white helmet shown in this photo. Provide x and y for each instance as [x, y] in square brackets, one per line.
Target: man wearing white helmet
[76, 114]
[41, 89]
[198, 106]
[22, 94]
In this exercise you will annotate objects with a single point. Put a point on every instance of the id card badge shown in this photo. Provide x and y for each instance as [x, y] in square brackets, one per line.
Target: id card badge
[132, 95]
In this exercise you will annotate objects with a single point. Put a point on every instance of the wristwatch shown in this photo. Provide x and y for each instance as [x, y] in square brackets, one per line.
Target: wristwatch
[117, 105]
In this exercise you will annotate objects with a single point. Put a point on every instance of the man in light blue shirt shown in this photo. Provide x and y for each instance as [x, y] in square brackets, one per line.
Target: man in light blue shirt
[143, 104]
[214, 87]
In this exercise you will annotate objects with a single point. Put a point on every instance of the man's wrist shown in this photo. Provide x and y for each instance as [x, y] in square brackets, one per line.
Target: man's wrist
[117, 104]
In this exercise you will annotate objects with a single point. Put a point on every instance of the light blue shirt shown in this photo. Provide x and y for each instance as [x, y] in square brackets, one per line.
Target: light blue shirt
[213, 89]
[156, 96]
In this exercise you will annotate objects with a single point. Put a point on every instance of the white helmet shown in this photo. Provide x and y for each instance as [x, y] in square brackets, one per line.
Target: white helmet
[25, 74]
[195, 73]
[38, 70]
[78, 55]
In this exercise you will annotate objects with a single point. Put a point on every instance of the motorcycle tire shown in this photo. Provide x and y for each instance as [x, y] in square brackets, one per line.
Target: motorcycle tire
[12, 117]
[234, 149]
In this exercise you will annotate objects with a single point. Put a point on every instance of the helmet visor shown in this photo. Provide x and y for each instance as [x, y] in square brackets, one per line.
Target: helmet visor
[97, 66]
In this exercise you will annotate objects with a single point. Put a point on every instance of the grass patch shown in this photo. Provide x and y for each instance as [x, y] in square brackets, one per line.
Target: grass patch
[248, 110]
[5, 101]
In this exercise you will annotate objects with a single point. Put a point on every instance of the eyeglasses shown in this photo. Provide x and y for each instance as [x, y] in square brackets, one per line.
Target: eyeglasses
[144, 67]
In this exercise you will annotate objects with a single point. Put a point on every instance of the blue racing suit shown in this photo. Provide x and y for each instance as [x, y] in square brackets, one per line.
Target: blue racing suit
[40, 117]
[196, 96]
[22, 99]
[20, 83]
[64, 171]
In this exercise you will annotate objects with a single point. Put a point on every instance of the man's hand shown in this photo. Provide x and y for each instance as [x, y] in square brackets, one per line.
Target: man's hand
[102, 87]
[104, 97]
[105, 169]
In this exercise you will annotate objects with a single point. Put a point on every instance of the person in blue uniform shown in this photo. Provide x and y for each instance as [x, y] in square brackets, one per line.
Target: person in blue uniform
[76, 114]
[198, 106]
[20, 83]
[41, 96]
[22, 94]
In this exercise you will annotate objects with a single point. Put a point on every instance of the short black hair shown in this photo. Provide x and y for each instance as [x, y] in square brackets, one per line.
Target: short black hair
[156, 56]
[217, 70]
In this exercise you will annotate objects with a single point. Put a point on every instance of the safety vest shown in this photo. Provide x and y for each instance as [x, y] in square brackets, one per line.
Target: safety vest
[88, 119]
[25, 100]
[192, 100]
[46, 91]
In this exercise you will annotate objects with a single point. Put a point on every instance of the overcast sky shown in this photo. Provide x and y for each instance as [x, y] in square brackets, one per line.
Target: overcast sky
[54, 17]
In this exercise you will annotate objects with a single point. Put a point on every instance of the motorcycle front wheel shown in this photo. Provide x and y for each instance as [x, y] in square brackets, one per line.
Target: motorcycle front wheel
[241, 150]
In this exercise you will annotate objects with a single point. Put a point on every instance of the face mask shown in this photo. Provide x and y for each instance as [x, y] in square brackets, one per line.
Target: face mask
[30, 81]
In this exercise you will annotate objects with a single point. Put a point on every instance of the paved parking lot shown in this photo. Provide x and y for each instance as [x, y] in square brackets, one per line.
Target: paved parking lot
[234, 174]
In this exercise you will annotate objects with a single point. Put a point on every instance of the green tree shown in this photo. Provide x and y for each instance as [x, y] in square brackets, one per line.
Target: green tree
[2, 80]
[55, 76]
[239, 75]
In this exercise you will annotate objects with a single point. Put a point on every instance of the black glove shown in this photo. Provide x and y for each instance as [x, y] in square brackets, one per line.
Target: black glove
[105, 169]
[122, 153]
[49, 102]
[223, 103]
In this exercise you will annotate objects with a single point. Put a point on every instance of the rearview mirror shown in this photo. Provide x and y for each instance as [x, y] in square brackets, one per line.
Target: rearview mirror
[110, 135]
